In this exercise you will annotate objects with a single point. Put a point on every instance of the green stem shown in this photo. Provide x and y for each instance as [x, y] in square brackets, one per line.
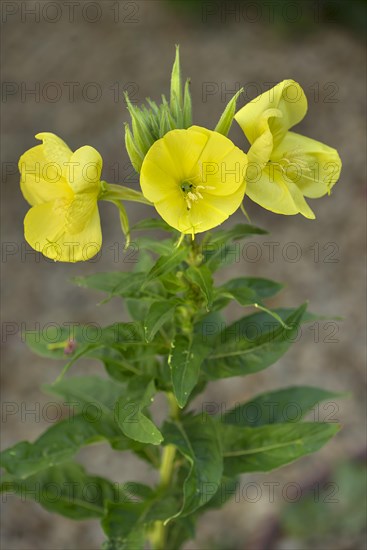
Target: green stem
[114, 192]
[159, 533]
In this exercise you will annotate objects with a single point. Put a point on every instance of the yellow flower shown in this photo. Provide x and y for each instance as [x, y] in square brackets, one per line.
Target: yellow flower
[62, 187]
[284, 167]
[195, 178]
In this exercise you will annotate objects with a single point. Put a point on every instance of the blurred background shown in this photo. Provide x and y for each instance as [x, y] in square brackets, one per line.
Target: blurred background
[65, 66]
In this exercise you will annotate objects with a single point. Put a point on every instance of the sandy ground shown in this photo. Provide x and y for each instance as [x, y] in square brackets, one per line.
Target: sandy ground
[135, 53]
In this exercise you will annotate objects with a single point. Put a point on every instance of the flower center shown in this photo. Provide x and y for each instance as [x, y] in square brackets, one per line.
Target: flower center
[294, 160]
[191, 192]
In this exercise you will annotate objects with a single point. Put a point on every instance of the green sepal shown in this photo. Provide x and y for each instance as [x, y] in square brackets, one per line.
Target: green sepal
[143, 137]
[225, 121]
[135, 154]
[187, 106]
[176, 88]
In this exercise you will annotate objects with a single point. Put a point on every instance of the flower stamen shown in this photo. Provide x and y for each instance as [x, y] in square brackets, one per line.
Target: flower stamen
[191, 192]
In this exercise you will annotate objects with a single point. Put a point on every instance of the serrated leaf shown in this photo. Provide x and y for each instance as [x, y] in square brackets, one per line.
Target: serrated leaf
[196, 438]
[202, 278]
[66, 489]
[129, 412]
[268, 447]
[159, 313]
[226, 119]
[185, 359]
[279, 406]
[238, 352]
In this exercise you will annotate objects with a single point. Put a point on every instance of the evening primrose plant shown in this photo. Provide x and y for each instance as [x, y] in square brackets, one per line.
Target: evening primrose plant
[177, 340]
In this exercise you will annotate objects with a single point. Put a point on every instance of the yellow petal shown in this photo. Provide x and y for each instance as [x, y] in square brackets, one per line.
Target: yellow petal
[83, 171]
[313, 166]
[55, 149]
[221, 165]
[277, 194]
[85, 244]
[41, 170]
[287, 97]
[46, 230]
[80, 211]
[262, 148]
[194, 177]
[203, 215]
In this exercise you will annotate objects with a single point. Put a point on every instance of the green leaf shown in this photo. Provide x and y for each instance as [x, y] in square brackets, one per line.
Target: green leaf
[158, 246]
[125, 521]
[186, 357]
[225, 121]
[81, 391]
[248, 290]
[62, 441]
[159, 313]
[219, 251]
[134, 541]
[251, 344]
[129, 416]
[118, 192]
[279, 406]
[115, 283]
[67, 490]
[165, 264]
[91, 341]
[121, 520]
[268, 447]
[196, 438]
[138, 307]
[202, 278]
[181, 530]
[236, 233]
[153, 223]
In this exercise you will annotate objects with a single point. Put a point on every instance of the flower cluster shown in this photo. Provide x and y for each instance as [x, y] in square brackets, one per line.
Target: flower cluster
[194, 177]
